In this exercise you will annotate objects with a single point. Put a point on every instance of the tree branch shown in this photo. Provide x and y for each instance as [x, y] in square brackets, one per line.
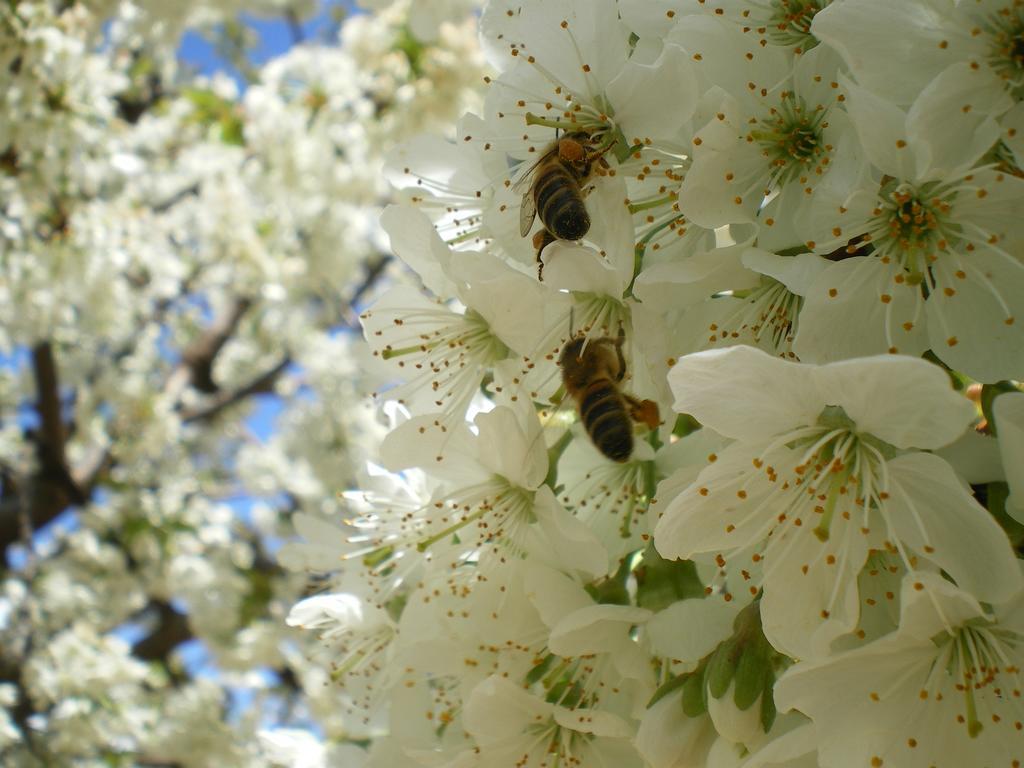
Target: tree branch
[225, 399]
[374, 269]
[51, 434]
[172, 629]
[294, 26]
[32, 502]
[196, 367]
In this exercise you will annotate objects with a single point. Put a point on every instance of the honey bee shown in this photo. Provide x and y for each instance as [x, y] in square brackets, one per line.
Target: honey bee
[556, 191]
[591, 372]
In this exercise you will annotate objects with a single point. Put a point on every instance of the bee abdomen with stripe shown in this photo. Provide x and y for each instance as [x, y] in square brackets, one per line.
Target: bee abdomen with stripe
[559, 202]
[591, 372]
[606, 419]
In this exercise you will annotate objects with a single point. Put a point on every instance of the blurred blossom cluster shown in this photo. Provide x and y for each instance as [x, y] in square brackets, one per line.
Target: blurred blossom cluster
[706, 431]
[182, 259]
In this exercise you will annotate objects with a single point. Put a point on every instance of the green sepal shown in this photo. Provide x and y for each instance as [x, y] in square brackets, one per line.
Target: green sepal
[694, 701]
[375, 557]
[540, 670]
[768, 710]
[395, 606]
[995, 495]
[666, 688]
[661, 582]
[752, 674]
[721, 669]
[612, 590]
[685, 425]
[989, 393]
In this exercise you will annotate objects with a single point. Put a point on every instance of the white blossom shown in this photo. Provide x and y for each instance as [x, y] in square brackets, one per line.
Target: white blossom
[820, 478]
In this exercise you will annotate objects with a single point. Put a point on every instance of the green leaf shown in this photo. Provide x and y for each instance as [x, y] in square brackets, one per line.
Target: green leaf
[232, 130]
[412, 48]
[212, 109]
[255, 602]
[204, 100]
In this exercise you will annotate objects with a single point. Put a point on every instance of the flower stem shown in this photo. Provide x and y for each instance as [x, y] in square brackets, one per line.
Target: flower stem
[426, 543]
[671, 197]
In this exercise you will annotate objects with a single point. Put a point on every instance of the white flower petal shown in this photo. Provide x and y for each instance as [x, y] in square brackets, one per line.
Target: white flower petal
[796, 749]
[975, 457]
[729, 58]
[797, 273]
[554, 594]
[906, 401]
[1009, 416]
[509, 450]
[854, 308]
[812, 595]
[742, 392]
[971, 330]
[498, 709]
[708, 516]
[343, 609]
[638, 96]
[575, 267]
[415, 241]
[739, 726]
[871, 34]
[593, 721]
[882, 127]
[593, 36]
[952, 119]
[323, 545]
[934, 514]
[678, 283]
[688, 630]
[595, 629]
[669, 739]
[570, 544]
[443, 451]
[650, 18]
[512, 303]
[895, 702]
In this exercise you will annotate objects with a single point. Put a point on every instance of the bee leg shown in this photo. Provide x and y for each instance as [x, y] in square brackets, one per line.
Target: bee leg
[619, 341]
[542, 240]
[643, 411]
[599, 155]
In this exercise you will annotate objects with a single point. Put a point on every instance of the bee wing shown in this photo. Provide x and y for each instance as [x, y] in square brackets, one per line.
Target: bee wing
[528, 208]
[555, 417]
[526, 175]
[527, 213]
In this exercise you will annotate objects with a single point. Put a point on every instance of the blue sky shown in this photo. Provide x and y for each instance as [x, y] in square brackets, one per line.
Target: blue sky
[275, 37]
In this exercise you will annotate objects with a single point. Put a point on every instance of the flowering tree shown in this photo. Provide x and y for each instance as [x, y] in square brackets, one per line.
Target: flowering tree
[179, 259]
[803, 244]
